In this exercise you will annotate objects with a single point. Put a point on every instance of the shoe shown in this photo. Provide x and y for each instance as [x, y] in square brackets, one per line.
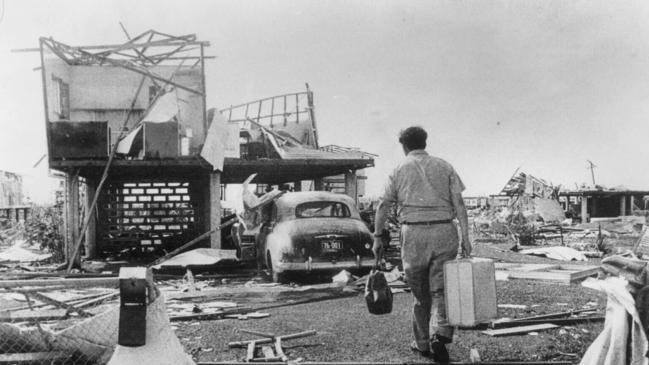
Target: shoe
[427, 354]
[438, 349]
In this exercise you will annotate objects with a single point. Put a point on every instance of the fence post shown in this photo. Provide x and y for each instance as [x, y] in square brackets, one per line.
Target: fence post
[133, 305]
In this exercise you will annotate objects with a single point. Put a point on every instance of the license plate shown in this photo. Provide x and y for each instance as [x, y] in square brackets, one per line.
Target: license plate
[331, 245]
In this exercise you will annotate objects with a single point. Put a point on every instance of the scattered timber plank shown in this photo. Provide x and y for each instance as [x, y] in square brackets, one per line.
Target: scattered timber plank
[110, 282]
[553, 315]
[270, 340]
[513, 266]
[250, 352]
[31, 316]
[519, 330]
[98, 300]
[556, 321]
[68, 307]
[34, 357]
[280, 350]
[208, 316]
[266, 359]
[243, 317]
[268, 352]
[397, 363]
[193, 242]
[55, 275]
[565, 274]
[73, 301]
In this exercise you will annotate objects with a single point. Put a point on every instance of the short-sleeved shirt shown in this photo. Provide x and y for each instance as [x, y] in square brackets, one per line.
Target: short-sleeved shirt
[422, 186]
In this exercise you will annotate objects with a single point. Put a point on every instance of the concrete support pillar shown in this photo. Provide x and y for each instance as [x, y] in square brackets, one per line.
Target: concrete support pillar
[318, 184]
[631, 204]
[215, 208]
[351, 184]
[623, 205]
[584, 209]
[91, 232]
[71, 216]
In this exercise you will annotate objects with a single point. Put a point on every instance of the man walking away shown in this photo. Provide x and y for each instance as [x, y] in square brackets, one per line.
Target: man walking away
[428, 193]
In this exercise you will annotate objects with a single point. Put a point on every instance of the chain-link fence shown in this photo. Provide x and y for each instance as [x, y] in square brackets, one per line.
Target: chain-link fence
[57, 324]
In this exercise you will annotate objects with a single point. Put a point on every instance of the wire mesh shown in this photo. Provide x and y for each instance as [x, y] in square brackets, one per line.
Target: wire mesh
[58, 325]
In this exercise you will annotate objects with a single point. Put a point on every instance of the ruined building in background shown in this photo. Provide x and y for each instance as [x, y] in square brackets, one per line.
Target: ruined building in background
[11, 189]
[587, 203]
[130, 122]
[531, 195]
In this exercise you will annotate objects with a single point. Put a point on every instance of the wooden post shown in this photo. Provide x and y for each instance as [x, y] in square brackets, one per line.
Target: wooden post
[91, 231]
[215, 208]
[623, 205]
[351, 184]
[318, 184]
[584, 209]
[71, 215]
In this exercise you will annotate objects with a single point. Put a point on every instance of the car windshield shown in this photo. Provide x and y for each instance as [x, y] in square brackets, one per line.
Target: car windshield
[322, 209]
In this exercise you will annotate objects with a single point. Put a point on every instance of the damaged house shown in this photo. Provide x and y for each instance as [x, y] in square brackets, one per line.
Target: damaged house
[589, 203]
[129, 123]
[532, 195]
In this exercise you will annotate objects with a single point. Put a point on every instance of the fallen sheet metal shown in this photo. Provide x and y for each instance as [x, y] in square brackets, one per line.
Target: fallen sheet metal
[553, 273]
[621, 341]
[125, 146]
[199, 257]
[556, 252]
[222, 141]
[164, 109]
[549, 210]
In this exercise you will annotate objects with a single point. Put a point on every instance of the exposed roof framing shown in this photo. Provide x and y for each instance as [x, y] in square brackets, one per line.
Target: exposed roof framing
[139, 54]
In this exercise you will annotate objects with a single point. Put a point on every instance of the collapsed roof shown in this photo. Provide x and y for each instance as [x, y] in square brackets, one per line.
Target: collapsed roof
[525, 184]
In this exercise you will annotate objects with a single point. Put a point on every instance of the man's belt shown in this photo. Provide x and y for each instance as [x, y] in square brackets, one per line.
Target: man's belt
[427, 223]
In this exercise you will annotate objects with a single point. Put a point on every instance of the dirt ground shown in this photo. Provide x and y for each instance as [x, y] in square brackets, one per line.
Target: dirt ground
[347, 332]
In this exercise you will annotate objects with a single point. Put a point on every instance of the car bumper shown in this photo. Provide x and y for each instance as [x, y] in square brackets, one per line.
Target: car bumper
[311, 265]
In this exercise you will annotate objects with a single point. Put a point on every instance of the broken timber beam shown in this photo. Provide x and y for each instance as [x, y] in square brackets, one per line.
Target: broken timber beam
[270, 340]
[398, 363]
[69, 307]
[208, 316]
[93, 301]
[520, 330]
[279, 350]
[555, 321]
[194, 241]
[51, 357]
[67, 283]
[35, 316]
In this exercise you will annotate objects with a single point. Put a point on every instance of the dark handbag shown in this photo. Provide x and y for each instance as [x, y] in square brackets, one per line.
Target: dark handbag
[378, 295]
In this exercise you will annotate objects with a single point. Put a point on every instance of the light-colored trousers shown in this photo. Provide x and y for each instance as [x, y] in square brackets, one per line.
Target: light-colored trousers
[424, 250]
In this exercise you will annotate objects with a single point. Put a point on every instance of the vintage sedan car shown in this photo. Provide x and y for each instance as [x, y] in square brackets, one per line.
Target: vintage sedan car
[314, 231]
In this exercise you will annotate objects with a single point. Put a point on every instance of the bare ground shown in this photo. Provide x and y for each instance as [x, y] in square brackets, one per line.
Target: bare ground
[347, 332]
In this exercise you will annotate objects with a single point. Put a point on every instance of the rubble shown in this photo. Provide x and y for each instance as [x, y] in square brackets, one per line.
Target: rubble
[20, 252]
[556, 252]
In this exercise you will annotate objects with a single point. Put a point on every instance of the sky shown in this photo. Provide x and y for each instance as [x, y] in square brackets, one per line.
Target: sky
[542, 86]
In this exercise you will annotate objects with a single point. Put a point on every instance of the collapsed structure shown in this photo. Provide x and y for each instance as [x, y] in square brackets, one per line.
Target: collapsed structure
[129, 123]
[588, 203]
[525, 192]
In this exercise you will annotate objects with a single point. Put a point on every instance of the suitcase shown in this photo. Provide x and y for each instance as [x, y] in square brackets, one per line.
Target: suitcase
[470, 289]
